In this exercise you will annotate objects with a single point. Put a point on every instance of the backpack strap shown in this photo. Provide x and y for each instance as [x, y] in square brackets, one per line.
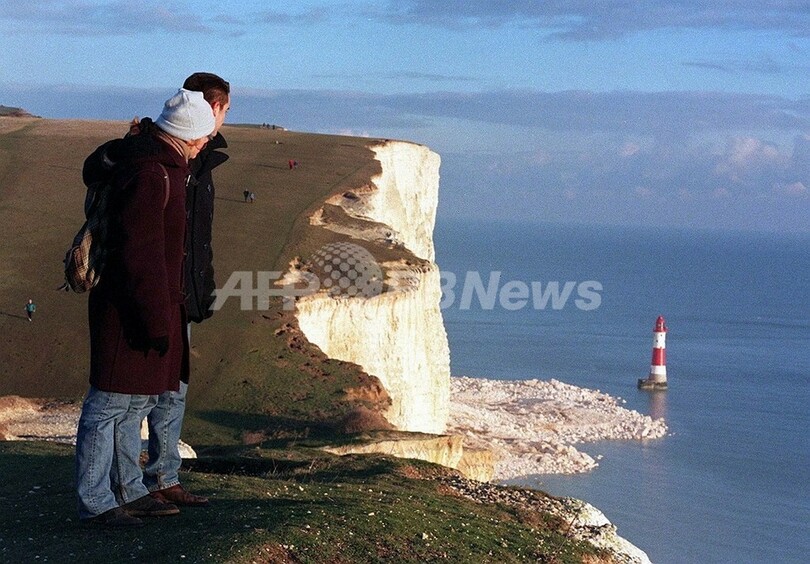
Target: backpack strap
[166, 180]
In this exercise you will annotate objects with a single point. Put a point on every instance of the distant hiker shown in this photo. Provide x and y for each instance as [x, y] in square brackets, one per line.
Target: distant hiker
[30, 308]
[246, 194]
[290, 163]
[252, 197]
[138, 334]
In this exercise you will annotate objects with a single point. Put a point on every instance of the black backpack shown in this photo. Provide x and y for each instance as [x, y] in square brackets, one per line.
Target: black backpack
[87, 255]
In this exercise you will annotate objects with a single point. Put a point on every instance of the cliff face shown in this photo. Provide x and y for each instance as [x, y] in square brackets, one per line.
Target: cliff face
[397, 333]
[407, 195]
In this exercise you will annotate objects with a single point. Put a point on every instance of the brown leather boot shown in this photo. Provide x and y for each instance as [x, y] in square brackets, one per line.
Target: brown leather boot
[148, 506]
[179, 496]
[116, 517]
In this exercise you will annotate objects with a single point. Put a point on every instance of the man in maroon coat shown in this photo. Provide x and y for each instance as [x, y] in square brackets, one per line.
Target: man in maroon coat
[138, 344]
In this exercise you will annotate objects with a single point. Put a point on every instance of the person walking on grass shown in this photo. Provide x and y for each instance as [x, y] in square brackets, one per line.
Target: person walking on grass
[138, 338]
[30, 308]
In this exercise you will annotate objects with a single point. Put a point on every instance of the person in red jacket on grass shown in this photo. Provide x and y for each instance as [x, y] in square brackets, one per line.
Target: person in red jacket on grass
[138, 327]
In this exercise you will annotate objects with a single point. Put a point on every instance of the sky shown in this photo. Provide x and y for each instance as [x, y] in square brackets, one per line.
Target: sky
[666, 113]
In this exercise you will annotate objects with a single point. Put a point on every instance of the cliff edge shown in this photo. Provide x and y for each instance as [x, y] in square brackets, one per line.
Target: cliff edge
[394, 331]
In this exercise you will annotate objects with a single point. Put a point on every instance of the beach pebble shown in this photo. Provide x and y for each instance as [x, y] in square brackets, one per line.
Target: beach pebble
[534, 425]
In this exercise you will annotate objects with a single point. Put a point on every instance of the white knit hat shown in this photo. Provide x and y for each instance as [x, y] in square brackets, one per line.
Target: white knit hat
[187, 116]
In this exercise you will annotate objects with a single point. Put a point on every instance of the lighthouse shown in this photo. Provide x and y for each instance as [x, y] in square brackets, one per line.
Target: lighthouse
[657, 379]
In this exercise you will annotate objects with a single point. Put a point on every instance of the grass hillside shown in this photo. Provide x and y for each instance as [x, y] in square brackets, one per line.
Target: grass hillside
[251, 370]
[290, 507]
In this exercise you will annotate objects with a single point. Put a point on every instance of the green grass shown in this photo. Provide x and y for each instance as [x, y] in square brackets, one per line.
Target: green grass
[290, 505]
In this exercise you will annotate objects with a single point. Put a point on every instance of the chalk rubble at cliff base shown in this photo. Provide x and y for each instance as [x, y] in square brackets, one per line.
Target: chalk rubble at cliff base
[533, 425]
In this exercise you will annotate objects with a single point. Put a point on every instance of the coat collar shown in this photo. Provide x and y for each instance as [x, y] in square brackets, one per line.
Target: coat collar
[209, 158]
[218, 142]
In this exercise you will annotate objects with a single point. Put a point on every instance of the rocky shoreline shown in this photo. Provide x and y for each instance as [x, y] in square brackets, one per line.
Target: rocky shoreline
[533, 425]
[26, 419]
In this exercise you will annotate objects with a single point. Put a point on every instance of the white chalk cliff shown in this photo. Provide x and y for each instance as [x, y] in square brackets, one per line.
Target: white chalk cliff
[397, 334]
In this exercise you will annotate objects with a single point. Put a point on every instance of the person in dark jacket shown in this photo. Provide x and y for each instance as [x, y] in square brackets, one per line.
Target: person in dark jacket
[138, 340]
[30, 308]
[165, 420]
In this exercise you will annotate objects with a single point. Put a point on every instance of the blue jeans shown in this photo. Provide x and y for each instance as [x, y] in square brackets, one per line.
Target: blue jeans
[108, 445]
[165, 423]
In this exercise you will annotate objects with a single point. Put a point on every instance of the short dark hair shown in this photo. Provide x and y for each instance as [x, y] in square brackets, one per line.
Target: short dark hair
[214, 88]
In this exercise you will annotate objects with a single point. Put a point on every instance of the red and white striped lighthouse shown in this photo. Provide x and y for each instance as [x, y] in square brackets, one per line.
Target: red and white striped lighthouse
[657, 378]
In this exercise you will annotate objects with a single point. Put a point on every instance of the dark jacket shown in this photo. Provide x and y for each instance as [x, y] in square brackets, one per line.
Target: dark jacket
[199, 282]
[199, 268]
[140, 301]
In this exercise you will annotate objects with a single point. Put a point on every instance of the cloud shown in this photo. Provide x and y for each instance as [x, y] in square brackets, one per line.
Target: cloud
[635, 119]
[764, 66]
[403, 75]
[793, 190]
[352, 133]
[607, 19]
[431, 77]
[305, 17]
[573, 21]
[629, 149]
[620, 111]
[119, 17]
[611, 157]
[657, 114]
[747, 156]
[684, 194]
[747, 151]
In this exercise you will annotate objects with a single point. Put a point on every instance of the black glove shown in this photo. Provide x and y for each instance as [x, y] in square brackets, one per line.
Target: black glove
[208, 306]
[160, 344]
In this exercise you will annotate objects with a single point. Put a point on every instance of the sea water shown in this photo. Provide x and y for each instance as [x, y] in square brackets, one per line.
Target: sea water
[730, 481]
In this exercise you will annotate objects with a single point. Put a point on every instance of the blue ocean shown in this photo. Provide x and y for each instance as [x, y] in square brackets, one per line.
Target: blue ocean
[730, 482]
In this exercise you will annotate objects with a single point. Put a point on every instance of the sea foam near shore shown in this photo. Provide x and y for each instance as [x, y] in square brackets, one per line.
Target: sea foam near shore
[533, 425]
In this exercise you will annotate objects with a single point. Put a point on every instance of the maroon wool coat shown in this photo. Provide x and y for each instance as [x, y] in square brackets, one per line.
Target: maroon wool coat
[140, 295]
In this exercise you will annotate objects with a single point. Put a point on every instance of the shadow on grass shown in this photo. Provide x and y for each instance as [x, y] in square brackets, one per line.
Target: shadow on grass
[282, 447]
[221, 198]
[39, 521]
[14, 315]
[268, 430]
[300, 465]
